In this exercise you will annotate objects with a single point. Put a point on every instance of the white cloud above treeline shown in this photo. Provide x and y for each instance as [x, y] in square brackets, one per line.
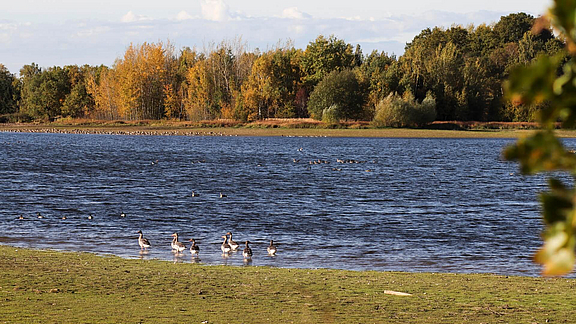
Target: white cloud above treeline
[98, 42]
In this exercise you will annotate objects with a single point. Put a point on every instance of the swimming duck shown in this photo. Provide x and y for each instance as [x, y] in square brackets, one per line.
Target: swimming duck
[176, 245]
[143, 242]
[233, 245]
[225, 246]
[271, 248]
[194, 249]
[247, 253]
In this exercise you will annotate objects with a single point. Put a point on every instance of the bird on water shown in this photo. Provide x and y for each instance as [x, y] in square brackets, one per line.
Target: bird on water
[143, 242]
[271, 248]
[247, 253]
[194, 249]
[176, 245]
[225, 247]
[233, 245]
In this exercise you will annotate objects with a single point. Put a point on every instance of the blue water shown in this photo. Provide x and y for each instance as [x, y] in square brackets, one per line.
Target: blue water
[435, 205]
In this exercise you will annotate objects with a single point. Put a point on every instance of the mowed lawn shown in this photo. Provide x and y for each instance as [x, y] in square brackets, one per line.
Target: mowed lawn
[65, 287]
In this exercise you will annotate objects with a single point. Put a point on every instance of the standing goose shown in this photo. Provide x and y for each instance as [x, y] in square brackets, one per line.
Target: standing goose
[271, 248]
[247, 253]
[176, 245]
[233, 245]
[194, 249]
[143, 242]
[225, 246]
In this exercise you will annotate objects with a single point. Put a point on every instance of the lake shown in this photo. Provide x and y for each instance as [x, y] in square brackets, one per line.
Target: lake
[434, 205]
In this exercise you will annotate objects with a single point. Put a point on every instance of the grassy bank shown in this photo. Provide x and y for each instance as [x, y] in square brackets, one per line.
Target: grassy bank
[277, 130]
[56, 287]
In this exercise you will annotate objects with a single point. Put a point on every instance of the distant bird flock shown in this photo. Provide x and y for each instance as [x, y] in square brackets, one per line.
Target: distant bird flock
[228, 245]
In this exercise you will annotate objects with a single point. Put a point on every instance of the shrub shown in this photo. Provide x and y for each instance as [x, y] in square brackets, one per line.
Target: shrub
[331, 115]
[396, 111]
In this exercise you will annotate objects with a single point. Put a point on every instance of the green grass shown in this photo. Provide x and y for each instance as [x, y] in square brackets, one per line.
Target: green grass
[57, 287]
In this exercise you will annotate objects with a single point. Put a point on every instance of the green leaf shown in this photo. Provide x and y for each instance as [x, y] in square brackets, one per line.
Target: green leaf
[541, 152]
[555, 206]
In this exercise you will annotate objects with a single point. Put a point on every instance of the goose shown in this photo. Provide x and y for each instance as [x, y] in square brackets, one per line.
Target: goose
[194, 249]
[122, 215]
[90, 216]
[222, 195]
[143, 242]
[63, 217]
[39, 215]
[233, 245]
[271, 248]
[21, 217]
[225, 246]
[195, 194]
[247, 253]
[178, 246]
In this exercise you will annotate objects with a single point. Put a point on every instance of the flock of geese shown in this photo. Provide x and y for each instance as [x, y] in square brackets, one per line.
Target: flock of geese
[227, 247]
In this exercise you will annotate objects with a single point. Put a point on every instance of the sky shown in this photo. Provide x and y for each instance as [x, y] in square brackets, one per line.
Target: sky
[53, 32]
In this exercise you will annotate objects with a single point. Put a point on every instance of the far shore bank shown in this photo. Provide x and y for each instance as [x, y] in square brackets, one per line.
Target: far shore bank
[277, 128]
[69, 287]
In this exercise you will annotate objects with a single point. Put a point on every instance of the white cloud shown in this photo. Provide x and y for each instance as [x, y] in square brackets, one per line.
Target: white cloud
[131, 17]
[215, 10]
[183, 15]
[294, 13]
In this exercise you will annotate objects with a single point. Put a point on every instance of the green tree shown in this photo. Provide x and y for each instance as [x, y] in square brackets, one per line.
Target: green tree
[8, 91]
[79, 102]
[381, 72]
[43, 91]
[325, 55]
[340, 88]
[511, 28]
[537, 83]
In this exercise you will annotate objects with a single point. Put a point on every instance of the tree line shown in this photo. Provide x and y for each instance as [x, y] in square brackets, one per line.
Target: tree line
[451, 73]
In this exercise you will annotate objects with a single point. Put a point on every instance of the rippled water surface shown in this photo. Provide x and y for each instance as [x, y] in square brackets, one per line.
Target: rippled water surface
[441, 205]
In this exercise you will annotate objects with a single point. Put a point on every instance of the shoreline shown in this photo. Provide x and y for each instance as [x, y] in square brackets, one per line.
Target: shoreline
[72, 287]
[176, 130]
[185, 259]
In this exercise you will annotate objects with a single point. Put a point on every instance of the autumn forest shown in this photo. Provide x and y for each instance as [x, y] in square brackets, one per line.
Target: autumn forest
[454, 73]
